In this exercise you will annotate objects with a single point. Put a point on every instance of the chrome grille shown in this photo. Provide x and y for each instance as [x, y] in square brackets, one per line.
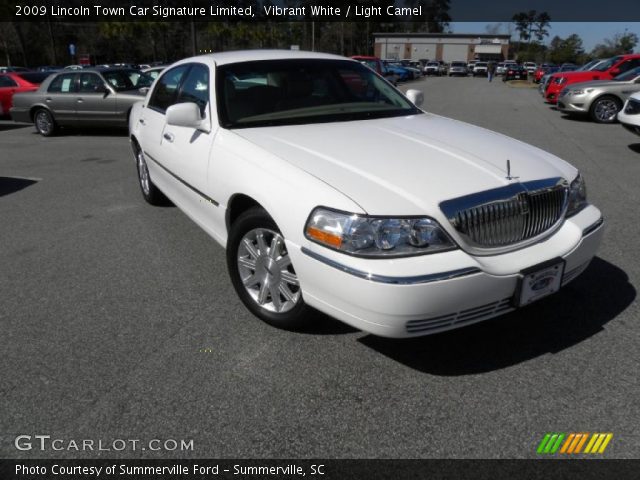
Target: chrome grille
[508, 215]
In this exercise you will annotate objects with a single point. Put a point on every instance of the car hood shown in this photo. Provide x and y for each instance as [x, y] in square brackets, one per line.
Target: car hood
[602, 84]
[406, 165]
[585, 76]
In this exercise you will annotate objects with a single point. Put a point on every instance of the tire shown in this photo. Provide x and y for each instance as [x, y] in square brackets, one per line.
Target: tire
[265, 282]
[44, 122]
[150, 192]
[605, 109]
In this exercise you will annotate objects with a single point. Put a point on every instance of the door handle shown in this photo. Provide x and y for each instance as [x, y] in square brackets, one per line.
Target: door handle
[169, 137]
[48, 99]
[142, 121]
[80, 100]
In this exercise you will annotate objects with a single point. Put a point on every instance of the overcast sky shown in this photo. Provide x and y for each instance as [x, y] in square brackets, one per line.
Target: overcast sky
[592, 33]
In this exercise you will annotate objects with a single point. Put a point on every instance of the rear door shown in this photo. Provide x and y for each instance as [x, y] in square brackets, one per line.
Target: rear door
[61, 98]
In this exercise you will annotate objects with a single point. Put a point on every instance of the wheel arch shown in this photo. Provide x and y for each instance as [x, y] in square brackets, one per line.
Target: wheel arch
[35, 108]
[238, 204]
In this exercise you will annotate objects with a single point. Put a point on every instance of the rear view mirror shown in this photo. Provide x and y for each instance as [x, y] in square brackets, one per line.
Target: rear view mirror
[416, 97]
[186, 115]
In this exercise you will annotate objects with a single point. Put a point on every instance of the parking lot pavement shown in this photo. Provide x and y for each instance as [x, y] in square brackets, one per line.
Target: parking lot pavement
[119, 321]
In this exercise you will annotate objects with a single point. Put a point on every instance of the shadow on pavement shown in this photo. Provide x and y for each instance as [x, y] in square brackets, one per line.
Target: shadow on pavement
[578, 311]
[90, 132]
[5, 126]
[9, 185]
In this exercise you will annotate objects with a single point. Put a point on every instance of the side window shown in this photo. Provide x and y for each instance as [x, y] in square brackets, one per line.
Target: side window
[166, 89]
[628, 65]
[63, 83]
[195, 87]
[90, 83]
[7, 82]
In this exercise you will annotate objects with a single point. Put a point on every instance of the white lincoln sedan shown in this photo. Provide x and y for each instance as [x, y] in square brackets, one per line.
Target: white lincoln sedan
[331, 189]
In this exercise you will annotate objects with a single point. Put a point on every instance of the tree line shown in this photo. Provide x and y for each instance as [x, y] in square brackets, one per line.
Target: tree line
[532, 28]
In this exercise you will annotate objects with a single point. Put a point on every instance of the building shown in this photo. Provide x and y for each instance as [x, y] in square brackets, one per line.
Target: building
[447, 47]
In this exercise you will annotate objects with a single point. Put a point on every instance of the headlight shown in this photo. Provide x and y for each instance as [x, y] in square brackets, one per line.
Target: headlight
[581, 91]
[369, 236]
[577, 196]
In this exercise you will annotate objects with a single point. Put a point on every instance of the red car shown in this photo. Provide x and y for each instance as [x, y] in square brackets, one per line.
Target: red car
[540, 72]
[17, 82]
[604, 71]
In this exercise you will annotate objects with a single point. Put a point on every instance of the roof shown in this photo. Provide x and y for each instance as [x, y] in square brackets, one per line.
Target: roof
[440, 35]
[223, 58]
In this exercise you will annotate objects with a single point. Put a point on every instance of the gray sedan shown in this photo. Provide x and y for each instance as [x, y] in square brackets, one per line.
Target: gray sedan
[91, 98]
[601, 100]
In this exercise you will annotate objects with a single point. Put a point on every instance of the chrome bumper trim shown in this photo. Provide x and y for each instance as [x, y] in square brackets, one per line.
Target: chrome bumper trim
[418, 279]
[592, 228]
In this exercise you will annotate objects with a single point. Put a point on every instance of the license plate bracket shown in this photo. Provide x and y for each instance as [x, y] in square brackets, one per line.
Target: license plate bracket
[539, 281]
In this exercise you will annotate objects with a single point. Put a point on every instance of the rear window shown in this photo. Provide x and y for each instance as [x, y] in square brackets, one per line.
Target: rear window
[34, 77]
[7, 81]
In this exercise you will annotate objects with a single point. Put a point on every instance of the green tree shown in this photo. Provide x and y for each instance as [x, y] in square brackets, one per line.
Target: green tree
[567, 50]
[619, 44]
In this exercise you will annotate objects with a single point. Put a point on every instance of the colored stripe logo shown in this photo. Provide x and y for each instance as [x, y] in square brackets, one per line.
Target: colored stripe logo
[574, 443]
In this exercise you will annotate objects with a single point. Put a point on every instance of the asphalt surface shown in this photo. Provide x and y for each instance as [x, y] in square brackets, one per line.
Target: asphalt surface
[118, 321]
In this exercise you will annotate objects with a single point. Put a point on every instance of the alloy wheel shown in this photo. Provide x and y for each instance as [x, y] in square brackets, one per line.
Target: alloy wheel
[266, 272]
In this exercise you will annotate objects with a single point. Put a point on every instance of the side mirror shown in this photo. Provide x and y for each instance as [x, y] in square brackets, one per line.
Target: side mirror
[186, 115]
[416, 97]
[615, 72]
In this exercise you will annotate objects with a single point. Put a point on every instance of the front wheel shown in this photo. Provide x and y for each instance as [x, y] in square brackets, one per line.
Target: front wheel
[262, 273]
[605, 109]
[44, 122]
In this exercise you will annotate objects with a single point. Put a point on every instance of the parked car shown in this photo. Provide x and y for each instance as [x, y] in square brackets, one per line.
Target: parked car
[432, 68]
[153, 72]
[530, 67]
[81, 98]
[283, 159]
[515, 72]
[480, 69]
[603, 71]
[470, 66]
[600, 99]
[458, 69]
[375, 64]
[14, 69]
[403, 74]
[542, 70]
[17, 82]
[629, 116]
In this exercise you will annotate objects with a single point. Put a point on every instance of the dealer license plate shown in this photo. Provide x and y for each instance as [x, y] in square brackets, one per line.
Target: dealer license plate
[540, 281]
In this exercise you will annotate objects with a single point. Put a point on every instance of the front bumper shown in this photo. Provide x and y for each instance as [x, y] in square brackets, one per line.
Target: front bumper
[630, 122]
[568, 103]
[428, 294]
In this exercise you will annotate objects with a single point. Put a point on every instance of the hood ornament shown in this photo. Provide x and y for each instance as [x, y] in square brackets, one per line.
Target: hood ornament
[509, 177]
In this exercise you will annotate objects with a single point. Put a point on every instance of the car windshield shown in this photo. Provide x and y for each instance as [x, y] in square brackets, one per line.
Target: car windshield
[290, 92]
[122, 80]
[607, 64]
[433, 64]
[458, 64]
[588, 66]
[628, 76]
[481, 64]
